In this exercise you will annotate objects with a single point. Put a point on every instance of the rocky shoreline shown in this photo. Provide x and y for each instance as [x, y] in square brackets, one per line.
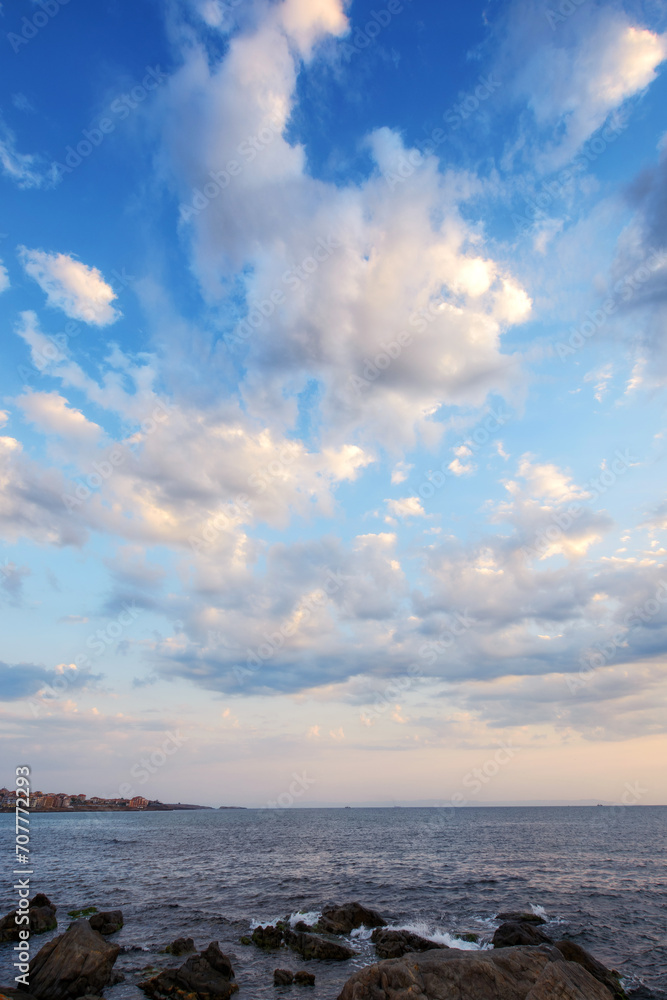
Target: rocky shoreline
[522, 962]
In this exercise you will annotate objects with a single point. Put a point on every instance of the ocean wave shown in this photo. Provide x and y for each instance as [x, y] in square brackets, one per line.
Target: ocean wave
[432, 933]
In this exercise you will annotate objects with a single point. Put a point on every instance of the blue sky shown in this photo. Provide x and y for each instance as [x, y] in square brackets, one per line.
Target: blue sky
[332, 404]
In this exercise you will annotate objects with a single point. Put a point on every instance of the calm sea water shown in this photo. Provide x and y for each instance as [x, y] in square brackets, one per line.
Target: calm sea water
[599, 875]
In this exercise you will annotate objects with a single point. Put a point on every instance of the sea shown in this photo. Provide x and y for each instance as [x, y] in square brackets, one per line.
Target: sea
[597, 874]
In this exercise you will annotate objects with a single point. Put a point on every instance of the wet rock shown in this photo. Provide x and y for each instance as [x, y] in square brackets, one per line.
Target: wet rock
[572, 952]
[567, 981]
[107, 923]
[41, 899]
[208, 976]
[75, 964]
[343, 919]
[514, 933]
[394, 944]
[304, 979]
[13, 994]
[312, 946]
[302, 926]
[282, 977]
[42, 917]
[181, 946]
[523, 973]
[521, 917]
[268, 938]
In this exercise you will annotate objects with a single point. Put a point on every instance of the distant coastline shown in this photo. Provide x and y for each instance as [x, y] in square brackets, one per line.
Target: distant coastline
[60, 802]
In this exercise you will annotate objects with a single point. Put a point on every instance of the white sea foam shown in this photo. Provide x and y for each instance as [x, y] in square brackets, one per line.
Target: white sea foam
[270, 922]
[539, 911]
[362, 933]
[431, 933]
[308, 916]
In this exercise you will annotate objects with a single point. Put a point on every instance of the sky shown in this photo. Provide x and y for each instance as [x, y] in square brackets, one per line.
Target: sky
[332, 429]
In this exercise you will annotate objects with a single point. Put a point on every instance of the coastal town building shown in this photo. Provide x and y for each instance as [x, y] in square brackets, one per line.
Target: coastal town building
[42, 801]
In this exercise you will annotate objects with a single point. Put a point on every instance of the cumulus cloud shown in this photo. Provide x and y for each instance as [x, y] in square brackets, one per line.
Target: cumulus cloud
[25, 680]
[80, 291]
[356, 286]
[574, 78]
[4, 278]
[51, 413]
[406, 507]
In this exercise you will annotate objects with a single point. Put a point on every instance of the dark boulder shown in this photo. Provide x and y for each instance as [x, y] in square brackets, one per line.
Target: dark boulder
[304, 978]
[74, 964]
[513, 933]
[449, 974]
[343, 919]
[42, 917]
[208, 976]
[394, 944]
[40, 899]
[107, 923]
[311, 946]
[282, 977]
[268, 938]
[521, 917]
[572, 952]
[181, 946]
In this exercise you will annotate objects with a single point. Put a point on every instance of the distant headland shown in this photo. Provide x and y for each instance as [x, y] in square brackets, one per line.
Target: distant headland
[62, 802]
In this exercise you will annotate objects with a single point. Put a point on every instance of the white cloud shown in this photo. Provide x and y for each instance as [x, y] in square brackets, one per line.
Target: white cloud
[459, 468]
[390, 271]
[601, 378]
[400, 473]
[574, 79]
[80, 291]
[4, 278]
[406, 507]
